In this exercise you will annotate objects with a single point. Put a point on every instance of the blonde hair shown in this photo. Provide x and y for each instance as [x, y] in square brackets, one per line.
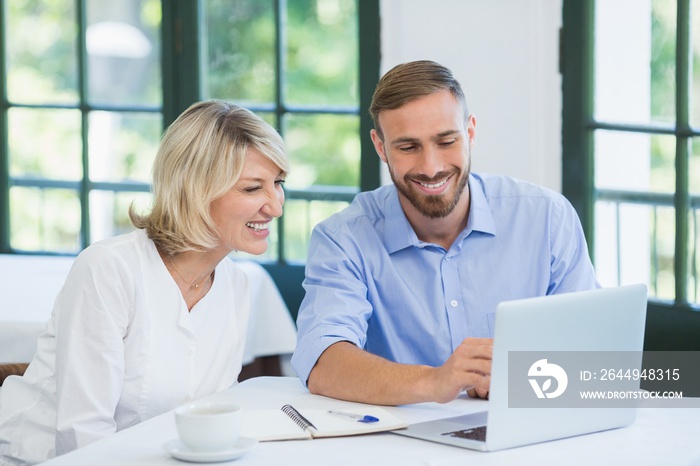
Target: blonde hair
[200, 158]
[410, 81]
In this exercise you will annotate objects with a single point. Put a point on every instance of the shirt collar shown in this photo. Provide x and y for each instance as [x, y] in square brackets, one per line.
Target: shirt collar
[480, 216]
[399, 234]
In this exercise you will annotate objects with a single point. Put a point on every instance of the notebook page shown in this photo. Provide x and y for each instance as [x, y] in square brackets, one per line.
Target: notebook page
[329, 425]
[270, 424]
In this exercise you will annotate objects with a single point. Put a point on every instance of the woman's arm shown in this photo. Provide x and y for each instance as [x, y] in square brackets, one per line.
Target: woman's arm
[92, 314]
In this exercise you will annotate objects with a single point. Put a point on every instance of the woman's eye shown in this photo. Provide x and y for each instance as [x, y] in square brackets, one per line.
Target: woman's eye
[280, 182]
[252, 189]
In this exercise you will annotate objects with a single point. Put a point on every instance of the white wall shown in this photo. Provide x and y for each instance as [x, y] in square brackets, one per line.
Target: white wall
[505, 55]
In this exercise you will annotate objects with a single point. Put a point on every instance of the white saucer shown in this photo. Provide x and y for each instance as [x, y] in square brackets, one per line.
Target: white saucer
[179, 450]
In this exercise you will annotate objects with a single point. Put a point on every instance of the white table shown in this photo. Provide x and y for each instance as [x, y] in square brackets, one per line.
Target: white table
[29, 285]
[658, 437]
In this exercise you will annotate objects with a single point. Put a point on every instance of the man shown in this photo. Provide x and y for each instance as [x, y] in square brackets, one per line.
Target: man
[402, 286]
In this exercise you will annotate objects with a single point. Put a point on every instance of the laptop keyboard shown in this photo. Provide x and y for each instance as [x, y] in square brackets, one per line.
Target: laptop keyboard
[473, 433]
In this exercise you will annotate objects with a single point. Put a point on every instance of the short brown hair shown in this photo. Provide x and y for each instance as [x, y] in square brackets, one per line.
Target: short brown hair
[200, 158]
[409, 81]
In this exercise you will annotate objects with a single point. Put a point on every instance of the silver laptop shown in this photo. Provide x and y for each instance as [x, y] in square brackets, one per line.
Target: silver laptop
[603, 322]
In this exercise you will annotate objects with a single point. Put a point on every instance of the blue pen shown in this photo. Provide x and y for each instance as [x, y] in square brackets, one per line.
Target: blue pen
[355, 417]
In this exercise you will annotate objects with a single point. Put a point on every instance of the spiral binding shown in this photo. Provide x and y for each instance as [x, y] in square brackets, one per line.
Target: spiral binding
[296, 416]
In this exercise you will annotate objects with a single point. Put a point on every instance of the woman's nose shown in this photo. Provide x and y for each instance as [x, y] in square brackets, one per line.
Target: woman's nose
[274, 205]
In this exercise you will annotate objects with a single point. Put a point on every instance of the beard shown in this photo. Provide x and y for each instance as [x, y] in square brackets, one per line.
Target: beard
[437, 206]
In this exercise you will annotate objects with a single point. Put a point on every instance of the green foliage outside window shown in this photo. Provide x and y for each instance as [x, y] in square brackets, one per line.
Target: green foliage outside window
[64, 135]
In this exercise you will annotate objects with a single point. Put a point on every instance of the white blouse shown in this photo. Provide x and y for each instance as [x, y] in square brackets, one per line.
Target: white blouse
[121, 347]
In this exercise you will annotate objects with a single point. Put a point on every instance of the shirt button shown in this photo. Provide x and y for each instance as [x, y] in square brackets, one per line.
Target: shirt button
[187, 399]
[453, 303]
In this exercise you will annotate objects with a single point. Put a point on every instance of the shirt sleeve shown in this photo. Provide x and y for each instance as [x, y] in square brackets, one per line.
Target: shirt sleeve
[335, 307]
[92, 319]
[571, 267]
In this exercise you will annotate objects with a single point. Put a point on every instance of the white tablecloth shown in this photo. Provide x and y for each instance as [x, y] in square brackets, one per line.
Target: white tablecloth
[658, 437]
[271, 330]
[29, 285]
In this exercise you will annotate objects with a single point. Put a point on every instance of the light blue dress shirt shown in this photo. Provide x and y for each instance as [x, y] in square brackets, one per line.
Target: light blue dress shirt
[372, 282]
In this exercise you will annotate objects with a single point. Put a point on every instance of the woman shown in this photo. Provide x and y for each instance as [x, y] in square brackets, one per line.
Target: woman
[155, 318]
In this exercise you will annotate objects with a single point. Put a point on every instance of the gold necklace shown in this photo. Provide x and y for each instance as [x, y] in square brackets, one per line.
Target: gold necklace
[195, 285]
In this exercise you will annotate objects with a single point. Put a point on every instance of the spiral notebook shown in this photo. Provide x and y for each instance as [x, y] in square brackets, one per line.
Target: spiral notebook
[289, 423]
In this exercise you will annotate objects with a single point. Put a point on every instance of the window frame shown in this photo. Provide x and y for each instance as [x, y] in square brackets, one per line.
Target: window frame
[670, 325]
[180, 62]
[84, 186]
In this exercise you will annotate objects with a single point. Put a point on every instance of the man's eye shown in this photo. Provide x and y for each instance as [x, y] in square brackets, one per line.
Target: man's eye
[446, 143]
[407, 148]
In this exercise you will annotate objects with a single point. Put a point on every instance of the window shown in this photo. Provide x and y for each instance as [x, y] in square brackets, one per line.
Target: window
[303, 78]
[80, 119]
[632, 146]
[88, 86]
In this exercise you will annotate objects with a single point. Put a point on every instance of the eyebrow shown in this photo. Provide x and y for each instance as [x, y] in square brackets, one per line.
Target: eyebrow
[408, 140]
[261, 180]
[403, 140]
[449, 132]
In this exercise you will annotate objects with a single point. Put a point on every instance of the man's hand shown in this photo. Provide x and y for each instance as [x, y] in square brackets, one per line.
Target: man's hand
[469, 368]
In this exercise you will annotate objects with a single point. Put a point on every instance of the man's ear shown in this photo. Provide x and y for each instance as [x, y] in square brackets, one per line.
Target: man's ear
[378, 144]
[471, 131]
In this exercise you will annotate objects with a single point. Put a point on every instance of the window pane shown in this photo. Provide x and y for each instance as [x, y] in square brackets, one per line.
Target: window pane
[694, 168]
[635, 48]
[123, 46]
[322, 53]
[641, 240]
[306, 215]
[109, 212]
[240, 50]
[45, 143]
[635, 161]
[297, 232]
[44, 220]
[41, 52]
[123, 145]
[694, 224]
[324, 150]
[695, 44]
[663, 60]
[694, 256]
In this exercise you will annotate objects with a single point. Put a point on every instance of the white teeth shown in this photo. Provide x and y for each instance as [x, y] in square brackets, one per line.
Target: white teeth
[434, 185]
[258, 226]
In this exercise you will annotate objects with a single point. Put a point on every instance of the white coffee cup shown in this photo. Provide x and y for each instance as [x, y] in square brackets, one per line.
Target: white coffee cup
[209, 426]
